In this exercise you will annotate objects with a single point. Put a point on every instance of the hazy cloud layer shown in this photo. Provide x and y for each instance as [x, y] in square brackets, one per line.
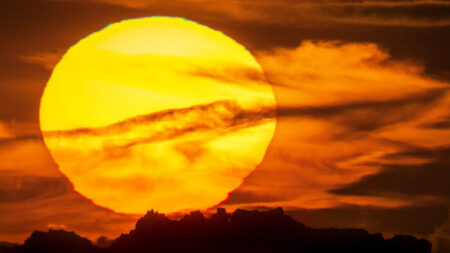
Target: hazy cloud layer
[429, 178]
[342, 112]
[391, 13]
[21, 188]
[363, 128]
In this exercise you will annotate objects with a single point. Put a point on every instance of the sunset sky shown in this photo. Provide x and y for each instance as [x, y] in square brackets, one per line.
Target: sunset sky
[362, 135]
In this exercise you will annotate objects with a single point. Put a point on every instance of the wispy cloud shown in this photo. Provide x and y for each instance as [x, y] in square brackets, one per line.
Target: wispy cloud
[344, 110]
[47, 59]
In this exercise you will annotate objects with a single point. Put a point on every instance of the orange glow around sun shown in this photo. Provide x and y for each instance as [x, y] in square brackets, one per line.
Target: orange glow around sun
[157, 113]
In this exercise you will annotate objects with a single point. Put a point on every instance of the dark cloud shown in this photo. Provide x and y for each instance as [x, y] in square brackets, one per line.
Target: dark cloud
[33, 137]
[439, 124]
[242, 196]
[361, 117]
[423, 98]
[17, 188]
[430, 178]
[403, 13]
[419, 219]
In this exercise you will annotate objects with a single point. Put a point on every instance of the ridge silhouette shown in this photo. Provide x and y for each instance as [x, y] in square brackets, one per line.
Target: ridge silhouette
[241, 231]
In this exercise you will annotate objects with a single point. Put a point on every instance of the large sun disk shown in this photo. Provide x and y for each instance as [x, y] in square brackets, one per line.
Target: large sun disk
[144, 114]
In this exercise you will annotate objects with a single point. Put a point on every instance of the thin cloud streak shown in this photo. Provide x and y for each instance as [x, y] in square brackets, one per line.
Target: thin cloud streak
[47, 59]
[382, 13]
[229, 116]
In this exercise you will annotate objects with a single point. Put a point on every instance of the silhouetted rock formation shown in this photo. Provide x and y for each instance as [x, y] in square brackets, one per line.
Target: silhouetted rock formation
[57, 241]
[242, 231]
[6, 247]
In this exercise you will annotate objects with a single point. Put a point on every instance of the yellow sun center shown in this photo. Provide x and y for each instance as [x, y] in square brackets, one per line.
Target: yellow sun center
[157, 113]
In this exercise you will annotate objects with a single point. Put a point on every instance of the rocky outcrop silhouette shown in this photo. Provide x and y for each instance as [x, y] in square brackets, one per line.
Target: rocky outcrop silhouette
[241, 231]
[7, 246]
[53, 241]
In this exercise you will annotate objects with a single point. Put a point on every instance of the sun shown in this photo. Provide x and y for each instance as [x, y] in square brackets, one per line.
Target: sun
[157, 113]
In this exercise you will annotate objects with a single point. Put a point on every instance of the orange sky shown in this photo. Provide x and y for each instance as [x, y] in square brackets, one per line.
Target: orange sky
[362, 134]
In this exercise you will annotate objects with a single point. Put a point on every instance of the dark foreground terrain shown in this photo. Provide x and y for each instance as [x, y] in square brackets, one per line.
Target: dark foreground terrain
[241, 231]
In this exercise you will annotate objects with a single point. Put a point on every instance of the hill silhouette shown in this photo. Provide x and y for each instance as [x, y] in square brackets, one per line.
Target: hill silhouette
[241, 231]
